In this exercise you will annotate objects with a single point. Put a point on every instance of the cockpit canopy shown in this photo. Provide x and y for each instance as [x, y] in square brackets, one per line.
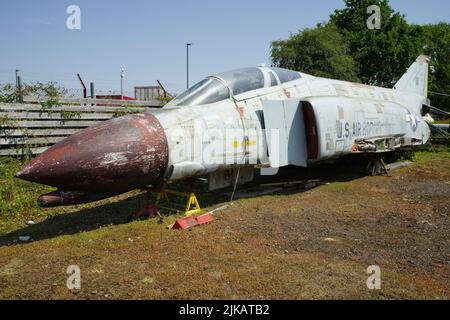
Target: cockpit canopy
[219, 87]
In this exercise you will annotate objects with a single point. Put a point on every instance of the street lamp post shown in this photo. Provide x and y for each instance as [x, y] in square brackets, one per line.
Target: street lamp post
[187, 64]
[122, 75]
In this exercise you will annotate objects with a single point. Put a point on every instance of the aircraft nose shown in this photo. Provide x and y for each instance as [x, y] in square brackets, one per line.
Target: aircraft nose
[121, 154]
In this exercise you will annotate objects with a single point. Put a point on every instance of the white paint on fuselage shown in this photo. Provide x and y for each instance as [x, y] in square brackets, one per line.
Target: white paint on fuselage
[197, 135]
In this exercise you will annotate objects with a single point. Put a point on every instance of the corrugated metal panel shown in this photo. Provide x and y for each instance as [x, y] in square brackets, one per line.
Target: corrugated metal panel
[147, 93]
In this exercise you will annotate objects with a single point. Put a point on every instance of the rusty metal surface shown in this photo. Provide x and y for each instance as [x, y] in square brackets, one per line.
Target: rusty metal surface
[118, 155]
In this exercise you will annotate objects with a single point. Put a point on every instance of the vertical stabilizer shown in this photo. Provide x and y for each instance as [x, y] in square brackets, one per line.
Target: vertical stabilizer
[415, 80]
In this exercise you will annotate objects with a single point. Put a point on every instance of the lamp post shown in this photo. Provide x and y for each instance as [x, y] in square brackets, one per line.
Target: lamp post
[122, 75]
[187, 64]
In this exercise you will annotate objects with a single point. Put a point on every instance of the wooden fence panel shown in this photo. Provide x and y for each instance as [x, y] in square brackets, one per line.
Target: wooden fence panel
[55, 124]
[23, 151]
[27, 129]
[6, 133]
[89, 101]
[30, 141]
[58, 116]
[87, 109]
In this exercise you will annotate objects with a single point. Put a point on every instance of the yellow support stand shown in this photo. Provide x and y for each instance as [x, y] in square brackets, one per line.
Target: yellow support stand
[192, 206]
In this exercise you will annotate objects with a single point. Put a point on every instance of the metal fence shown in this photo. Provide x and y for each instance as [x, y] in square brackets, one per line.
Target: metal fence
[28, 129]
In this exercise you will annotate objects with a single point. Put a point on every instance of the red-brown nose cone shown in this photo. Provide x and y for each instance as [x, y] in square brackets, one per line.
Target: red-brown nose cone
[121, 154]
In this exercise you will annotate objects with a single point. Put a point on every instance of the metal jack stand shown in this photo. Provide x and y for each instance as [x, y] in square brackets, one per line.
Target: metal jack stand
[149, 210]
[164, 201]
[377, 167]
[191, 207]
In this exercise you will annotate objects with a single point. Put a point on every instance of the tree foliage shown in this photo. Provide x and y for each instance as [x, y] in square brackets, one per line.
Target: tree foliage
[321, 51]
[383, 54]
[345, 48]
[50, 90]
[437, 47]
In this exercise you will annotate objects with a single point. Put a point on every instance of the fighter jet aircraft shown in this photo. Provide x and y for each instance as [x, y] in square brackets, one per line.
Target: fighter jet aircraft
[228, 124]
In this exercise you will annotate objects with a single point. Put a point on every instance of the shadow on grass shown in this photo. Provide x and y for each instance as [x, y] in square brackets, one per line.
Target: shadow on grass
[85, 219]
[340, 170]
[116, 213]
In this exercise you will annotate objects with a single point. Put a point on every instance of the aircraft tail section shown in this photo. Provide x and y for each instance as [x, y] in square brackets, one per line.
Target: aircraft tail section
[415, 80]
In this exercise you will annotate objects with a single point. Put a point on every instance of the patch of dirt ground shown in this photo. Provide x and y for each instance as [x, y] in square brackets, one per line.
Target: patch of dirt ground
[313, 244]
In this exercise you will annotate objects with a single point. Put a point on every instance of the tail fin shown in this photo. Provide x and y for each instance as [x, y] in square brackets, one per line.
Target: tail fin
[415, 80]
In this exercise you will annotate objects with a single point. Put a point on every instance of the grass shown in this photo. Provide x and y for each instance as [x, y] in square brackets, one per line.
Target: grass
[439, 151]
[337, 186]
[18, 200]
[17, 197]
[444, 121]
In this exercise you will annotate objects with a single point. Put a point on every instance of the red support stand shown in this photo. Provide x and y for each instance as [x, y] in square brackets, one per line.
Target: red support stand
[149, 210]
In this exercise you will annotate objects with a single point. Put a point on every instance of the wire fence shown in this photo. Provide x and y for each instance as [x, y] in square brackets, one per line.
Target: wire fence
[78, 93]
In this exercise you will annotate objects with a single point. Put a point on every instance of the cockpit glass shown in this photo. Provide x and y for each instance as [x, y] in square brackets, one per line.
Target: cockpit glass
[286, 75]
[207, 91]
[243, 80]
[211, 90]
[273, 80]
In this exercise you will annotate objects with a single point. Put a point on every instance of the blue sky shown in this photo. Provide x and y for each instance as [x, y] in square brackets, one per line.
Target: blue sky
[148, 37]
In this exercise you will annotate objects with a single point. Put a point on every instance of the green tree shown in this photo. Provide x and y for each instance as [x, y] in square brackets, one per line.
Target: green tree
[50, 90]
[321, 52]
[165, 98]
[437, 47]
[383, 54]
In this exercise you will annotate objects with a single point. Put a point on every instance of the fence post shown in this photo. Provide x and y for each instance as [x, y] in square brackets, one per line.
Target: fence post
[92, 91]
[19, 87]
